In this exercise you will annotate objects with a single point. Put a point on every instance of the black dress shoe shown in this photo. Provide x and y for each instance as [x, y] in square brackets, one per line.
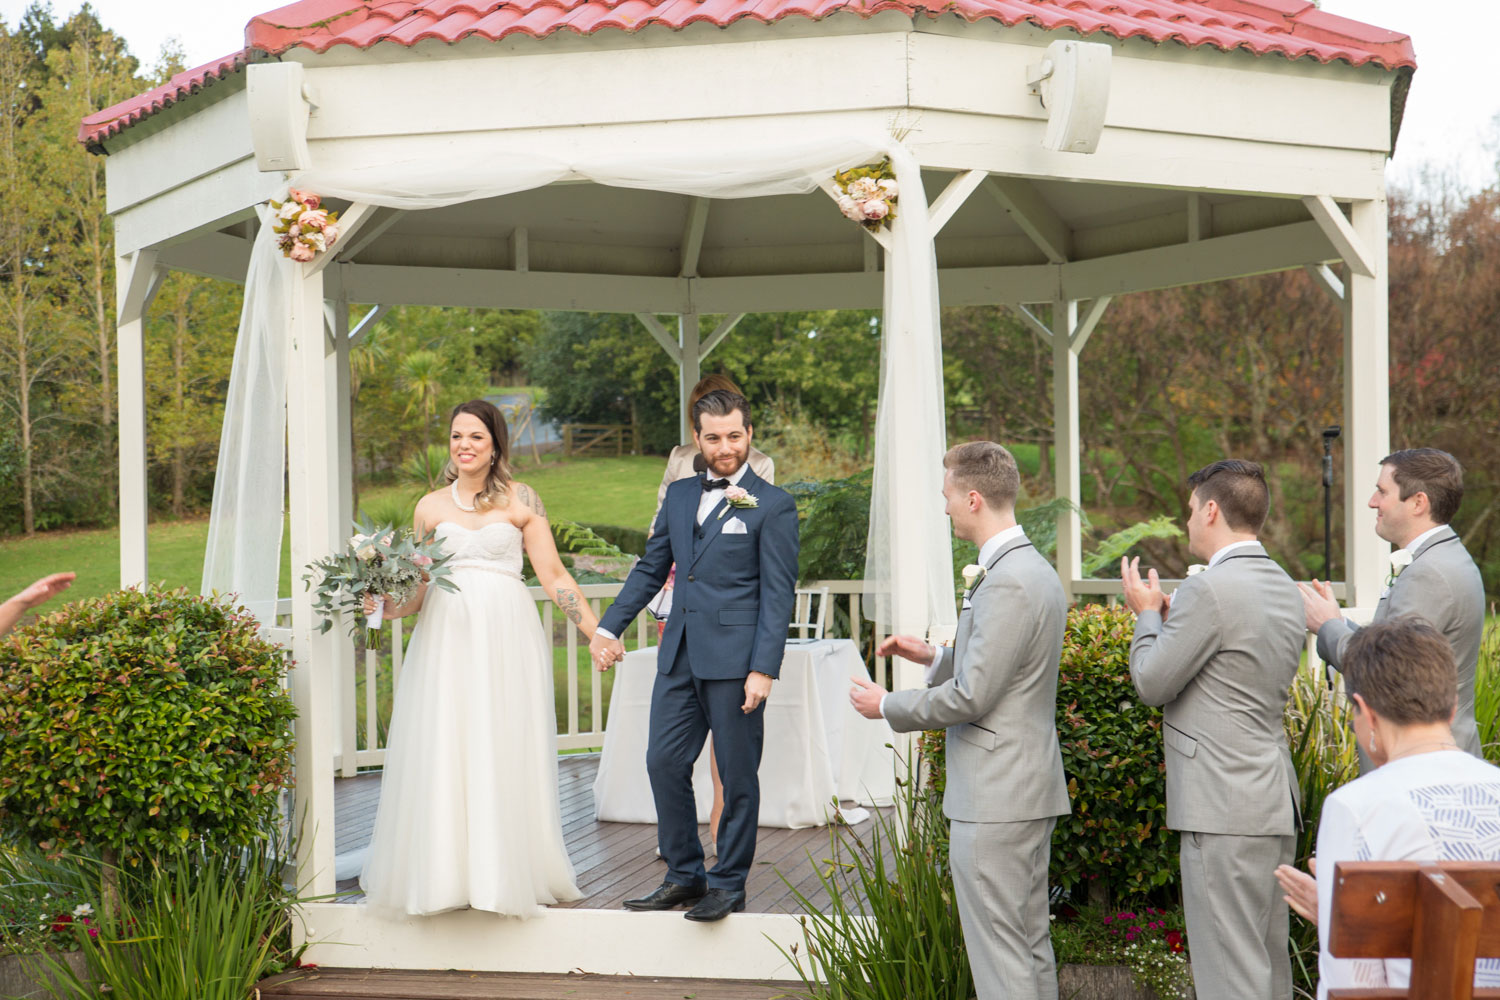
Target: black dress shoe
[716, 905]
[668, 895]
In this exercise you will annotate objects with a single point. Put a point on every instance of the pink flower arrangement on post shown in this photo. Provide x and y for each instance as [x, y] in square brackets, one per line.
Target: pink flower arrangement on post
[305, 229]
[868, 194]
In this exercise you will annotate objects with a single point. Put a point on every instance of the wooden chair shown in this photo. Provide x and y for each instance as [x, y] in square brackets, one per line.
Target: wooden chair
[1443, 916]
[805, 617]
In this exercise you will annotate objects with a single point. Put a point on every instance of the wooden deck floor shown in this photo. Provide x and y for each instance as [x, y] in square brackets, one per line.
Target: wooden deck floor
[389, 984]
[617, 861]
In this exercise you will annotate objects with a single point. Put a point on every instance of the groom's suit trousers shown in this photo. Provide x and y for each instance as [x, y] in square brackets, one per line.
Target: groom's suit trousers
[684, 709]
[1000, 879]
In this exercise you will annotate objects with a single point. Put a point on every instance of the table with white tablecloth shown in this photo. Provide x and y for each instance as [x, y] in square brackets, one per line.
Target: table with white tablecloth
[817, 747]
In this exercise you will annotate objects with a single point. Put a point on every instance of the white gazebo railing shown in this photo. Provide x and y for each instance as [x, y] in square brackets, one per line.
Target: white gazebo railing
[361, 741]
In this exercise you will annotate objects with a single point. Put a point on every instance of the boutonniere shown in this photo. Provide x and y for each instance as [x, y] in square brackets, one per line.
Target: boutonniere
[972, 574]
[1400, 559]
[738, 496]
[1197, 568]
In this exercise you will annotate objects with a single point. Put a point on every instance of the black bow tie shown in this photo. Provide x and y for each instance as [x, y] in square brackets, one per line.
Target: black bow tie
[715, 484]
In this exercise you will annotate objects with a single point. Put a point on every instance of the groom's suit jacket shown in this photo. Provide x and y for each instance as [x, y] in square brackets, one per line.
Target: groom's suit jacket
[995, 691]
[1443, 587]
[736, 580]
[1222, 665]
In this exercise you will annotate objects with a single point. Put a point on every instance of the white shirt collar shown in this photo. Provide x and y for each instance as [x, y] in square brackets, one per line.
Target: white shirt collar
[995, 542]
[734, 478]
[1416, 543]
[1223, 553]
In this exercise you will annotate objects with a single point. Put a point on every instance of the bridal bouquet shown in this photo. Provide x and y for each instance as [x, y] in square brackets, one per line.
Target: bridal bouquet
[378, 560]
[304, 229]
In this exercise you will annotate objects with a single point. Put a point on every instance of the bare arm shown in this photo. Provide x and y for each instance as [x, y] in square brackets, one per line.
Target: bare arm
[556, 581]
[40, 591]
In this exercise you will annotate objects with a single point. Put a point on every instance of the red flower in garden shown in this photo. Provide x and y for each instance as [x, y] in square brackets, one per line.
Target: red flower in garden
[61, 922]
[1174, 940]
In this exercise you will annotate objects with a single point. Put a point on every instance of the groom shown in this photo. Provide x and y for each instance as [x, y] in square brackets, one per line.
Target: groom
[733, 538]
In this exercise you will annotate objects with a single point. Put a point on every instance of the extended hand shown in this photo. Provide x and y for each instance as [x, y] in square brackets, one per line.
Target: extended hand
[1301, 889]
[865, 696]
[908, 648]
[1318, 604]
[44, 589]
[1141, 595]
[605, 652]
[757, 690]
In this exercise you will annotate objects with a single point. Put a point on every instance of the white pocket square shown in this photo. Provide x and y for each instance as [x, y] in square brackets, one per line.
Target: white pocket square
[968, 605]
[734, 526]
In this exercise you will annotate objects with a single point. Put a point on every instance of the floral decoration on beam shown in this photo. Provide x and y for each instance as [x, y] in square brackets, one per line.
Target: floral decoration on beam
[868, 194]
[304, 228]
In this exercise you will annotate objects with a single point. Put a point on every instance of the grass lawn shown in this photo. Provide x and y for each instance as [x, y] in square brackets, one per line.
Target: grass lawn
[618, 491]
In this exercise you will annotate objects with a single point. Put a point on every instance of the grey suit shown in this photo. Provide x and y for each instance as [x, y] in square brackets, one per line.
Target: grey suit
[1443, 587]
[1222, 665]
[996, 694]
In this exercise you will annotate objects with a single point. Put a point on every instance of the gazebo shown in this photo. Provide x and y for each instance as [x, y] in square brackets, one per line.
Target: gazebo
[675, 159]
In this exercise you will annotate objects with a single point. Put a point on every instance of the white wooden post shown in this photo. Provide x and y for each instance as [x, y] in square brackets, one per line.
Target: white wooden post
[1367, 412]
[688, 368]
[136, 279]
[341, 502]
[1065, 441]
[311, 472]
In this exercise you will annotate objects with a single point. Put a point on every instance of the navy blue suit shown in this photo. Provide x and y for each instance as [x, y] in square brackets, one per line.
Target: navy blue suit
[731, 604]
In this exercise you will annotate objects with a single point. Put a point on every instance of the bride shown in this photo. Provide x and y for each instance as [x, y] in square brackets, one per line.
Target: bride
[468, 802]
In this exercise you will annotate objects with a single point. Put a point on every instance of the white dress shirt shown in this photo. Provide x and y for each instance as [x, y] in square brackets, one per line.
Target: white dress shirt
[1416, 543]
[706, 504]
[987, 552]
[1228, 550]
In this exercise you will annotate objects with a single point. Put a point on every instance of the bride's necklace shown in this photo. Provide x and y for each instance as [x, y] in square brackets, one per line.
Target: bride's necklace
[466, 508]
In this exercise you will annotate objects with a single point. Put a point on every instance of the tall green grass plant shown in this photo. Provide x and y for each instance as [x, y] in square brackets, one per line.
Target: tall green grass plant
[890, 930]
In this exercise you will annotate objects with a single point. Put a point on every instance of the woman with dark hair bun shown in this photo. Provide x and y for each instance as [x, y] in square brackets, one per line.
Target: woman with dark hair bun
[468, 813]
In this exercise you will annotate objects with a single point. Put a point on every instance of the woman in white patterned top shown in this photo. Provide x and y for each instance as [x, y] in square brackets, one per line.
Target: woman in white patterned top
[1426, 800]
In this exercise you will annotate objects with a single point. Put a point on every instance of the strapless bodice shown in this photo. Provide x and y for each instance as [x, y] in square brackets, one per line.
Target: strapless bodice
[494, 547]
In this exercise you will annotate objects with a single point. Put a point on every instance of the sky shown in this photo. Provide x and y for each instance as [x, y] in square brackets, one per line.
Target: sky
[1450, 122]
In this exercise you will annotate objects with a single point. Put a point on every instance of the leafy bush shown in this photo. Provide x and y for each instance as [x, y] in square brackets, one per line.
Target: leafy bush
[44, 902]
[1487, 692]
[1112, 754]
[835, 528]
[139, 721]
[804, 448]
[631, 541]
[891, 929]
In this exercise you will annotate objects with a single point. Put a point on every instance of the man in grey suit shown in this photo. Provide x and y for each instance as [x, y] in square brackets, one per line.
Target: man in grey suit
[1432, 574]
[1220, 655]
[996, 694]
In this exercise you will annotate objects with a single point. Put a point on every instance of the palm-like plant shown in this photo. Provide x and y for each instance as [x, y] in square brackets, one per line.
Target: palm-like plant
[421, 378]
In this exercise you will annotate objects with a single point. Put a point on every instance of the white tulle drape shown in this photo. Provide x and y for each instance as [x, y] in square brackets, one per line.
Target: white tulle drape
[909, 568]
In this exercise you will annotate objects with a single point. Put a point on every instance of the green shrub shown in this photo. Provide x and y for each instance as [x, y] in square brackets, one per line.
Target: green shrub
[1112, 754]
[138, 722]
[629, 540]
[1487, 692]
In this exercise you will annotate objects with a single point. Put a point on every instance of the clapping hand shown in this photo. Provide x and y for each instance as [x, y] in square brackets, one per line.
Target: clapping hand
[1301, 889]
[45, 589]
[908, 648]
[1141, 594]
[1318, 604]
[605, 652]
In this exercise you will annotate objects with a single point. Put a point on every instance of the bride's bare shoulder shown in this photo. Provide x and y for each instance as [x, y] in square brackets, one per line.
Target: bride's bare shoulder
[429, 510]
[527, 498]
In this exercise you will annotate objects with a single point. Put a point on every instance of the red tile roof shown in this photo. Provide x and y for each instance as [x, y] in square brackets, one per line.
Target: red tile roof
[1291, 28]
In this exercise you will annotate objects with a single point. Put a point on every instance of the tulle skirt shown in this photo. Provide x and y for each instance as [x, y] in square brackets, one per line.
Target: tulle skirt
[468, 802]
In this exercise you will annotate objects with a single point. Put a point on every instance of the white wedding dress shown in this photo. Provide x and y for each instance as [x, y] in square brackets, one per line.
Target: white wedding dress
[468, 801]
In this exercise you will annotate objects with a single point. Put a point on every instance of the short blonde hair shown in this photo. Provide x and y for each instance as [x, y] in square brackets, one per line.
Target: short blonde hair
[986, 468]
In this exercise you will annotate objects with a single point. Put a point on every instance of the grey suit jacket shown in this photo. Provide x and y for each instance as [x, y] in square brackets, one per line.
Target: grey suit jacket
[995, 692]
[1442, 586]
[1222, 665]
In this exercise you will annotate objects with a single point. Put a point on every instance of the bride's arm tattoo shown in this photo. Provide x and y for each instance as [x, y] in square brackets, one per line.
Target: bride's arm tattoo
[528, 496]
[569, 601]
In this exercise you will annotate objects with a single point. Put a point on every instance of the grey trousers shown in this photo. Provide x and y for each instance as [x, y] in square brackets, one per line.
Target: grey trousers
[1236, 917]
[1000, 878]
